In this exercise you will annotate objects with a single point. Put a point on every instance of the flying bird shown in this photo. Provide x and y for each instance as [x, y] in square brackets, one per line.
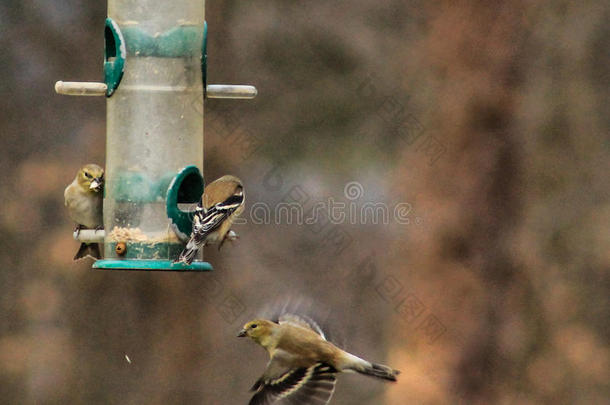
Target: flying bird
[84, 199]
[303, 365]
[222, 201]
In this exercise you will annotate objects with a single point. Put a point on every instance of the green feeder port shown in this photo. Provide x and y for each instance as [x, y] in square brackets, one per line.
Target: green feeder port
[154, 71]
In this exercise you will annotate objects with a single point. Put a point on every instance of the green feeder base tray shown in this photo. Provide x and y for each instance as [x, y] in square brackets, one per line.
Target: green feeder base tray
[160, 265]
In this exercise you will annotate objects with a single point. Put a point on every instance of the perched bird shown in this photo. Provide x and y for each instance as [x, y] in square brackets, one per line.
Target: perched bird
[303, 364]
[222, 201]
[84, 198]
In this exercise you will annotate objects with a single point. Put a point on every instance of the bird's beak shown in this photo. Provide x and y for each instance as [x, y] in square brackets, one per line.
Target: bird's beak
[96, 184]
[242, 333]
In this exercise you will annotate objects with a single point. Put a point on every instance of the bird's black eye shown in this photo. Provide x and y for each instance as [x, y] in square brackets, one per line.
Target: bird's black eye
[253, 326]
[87, 175]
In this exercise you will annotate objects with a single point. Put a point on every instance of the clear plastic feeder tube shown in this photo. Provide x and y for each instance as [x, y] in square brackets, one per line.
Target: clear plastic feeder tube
[154, 122]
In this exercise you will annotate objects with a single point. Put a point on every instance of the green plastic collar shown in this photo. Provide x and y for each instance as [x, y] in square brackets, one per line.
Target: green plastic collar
[178, 42]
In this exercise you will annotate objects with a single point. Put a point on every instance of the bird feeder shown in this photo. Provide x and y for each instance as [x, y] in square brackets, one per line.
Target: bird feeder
[155, 86]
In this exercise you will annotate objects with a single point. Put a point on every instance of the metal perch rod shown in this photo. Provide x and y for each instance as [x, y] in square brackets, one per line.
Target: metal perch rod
[81, 88]
[90, 235]
[99, 89]
[230, 91]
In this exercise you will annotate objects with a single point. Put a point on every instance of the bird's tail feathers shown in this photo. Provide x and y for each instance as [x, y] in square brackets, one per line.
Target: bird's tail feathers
[188, 254]
[361, 366]
[88, 249]
[379, 371]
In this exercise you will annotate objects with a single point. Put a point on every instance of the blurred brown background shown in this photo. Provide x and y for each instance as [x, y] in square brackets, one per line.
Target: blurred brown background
[488, 121]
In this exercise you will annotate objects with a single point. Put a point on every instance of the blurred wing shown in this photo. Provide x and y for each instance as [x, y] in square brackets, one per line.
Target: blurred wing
[300, 386]
[302, 321]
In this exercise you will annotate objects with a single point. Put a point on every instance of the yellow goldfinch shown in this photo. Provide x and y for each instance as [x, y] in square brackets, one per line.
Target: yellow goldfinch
[302, 363]
[84, 199]
[222, 201]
